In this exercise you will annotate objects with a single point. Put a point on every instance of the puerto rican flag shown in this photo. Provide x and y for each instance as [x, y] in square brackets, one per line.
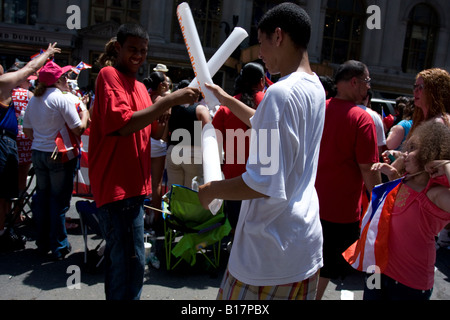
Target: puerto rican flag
[372, 247]
[82, 185]
[34, 56]
[68, 144]
[81, 66]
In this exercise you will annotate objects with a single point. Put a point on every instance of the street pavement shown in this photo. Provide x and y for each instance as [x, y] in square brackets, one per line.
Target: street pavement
[24, 275]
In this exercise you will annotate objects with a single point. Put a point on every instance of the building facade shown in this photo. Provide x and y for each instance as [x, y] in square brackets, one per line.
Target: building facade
[395, 38]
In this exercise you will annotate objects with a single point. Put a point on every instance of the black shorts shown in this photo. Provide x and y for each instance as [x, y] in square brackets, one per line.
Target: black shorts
[9, 168]
[337, 237]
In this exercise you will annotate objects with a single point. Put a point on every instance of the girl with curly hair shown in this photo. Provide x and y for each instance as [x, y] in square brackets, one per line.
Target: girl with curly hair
[420, 211]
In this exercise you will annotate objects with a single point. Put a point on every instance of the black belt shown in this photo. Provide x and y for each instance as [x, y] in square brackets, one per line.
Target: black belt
[4, 132]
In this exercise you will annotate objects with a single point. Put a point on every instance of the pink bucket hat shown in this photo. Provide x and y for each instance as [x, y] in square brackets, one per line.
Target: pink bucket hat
[51, 72]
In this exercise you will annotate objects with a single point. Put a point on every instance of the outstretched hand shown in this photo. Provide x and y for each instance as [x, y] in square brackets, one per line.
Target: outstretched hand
[220, 94]
[52, 49]
[186, 95]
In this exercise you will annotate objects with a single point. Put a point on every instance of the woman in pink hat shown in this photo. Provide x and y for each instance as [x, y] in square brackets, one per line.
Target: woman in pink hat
[54, 122]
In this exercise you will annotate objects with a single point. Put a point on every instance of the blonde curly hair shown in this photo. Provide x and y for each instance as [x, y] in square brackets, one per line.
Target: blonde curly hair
[432, 139]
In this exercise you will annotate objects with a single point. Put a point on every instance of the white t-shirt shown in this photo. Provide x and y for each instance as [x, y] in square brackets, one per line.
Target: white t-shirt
[47, 115]
[381, 137]
[278, 239]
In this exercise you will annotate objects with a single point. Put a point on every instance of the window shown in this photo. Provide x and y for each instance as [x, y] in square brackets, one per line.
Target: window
[207, 15]
[420, 41]
[19, 11]
[343, 31]
[120, 11]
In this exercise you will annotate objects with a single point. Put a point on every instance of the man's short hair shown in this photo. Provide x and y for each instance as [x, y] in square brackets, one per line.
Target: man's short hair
[349, 69]
[131, 30]
[292, 19]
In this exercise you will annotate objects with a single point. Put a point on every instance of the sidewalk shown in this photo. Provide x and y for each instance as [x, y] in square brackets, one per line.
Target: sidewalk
[26, 276]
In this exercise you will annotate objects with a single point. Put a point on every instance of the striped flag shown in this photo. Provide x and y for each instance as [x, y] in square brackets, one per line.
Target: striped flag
[372, 247]
[81, 66]
[34, 56]
[82, 185]
[68, 144]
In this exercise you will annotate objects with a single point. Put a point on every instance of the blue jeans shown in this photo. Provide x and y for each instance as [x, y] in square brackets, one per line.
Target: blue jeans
[54, 186]
[9, 168]
[122, 224]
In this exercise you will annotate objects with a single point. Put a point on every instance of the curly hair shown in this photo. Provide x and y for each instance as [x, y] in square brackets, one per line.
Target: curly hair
[437, 92]
[432, 139]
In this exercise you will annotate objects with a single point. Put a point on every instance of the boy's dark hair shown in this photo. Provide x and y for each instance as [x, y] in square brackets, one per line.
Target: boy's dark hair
[292, 19]
[348, 70]
[131, 30]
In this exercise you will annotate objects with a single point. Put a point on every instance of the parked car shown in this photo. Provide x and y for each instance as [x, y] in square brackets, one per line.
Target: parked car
[383, 107]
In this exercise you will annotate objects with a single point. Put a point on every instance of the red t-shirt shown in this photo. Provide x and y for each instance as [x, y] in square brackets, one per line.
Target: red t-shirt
[349, 139]
[119, 167]
[235, 158]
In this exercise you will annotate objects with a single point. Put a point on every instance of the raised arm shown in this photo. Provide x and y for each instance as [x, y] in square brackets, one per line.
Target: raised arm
[239, 109]
[439, 195]
[11, 80]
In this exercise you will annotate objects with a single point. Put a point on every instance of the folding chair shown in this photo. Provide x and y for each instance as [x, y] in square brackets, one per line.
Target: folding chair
[198, 228]
[22, 205]
[89, 222]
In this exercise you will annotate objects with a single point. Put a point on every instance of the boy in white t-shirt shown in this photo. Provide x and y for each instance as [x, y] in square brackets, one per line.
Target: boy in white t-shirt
[277, 248]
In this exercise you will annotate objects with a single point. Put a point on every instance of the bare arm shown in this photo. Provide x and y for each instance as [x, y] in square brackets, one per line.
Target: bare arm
[85, 116]
[395, 137]
[29, 133]
[229, 189]
[439, 195]
[239, 109]
[10, 80]
[143, 118]
[371, 177]
[203, 115]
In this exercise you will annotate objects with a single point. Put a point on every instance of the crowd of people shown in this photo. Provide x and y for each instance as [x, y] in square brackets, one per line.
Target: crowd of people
[290, 226]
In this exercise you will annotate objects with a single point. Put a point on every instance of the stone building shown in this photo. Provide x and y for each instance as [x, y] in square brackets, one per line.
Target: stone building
[395, 38]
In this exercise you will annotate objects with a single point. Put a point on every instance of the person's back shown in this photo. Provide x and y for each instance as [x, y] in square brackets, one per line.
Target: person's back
[343, 147]
[347, 151]
[48, 114]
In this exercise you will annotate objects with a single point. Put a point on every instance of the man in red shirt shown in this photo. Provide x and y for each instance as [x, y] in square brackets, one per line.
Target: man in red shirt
[347, 152]
[119, 159]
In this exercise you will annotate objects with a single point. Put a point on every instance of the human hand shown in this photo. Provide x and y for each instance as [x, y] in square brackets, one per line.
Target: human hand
[220, 94]
[386, 169]
[186, 95]
[437, 168]
[205, 195]
[164, 118]
[389, 156]
[51, 50]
